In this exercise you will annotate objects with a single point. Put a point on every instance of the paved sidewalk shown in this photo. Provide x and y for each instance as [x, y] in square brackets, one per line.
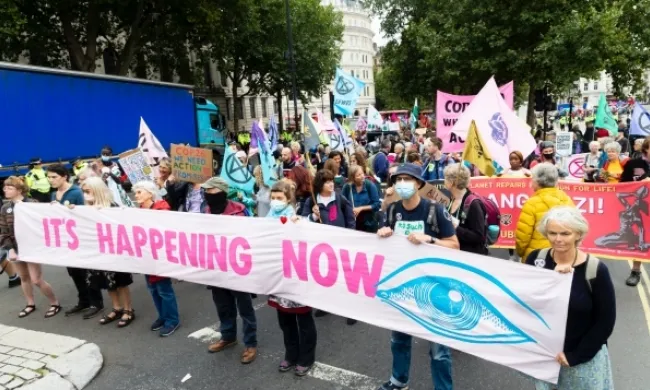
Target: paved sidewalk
[31, 360]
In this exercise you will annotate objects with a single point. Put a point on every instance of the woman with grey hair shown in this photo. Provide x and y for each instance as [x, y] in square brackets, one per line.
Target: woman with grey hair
[592, 161]
[638, 143]
[613, 168]
[466, 210]
[585, 363]
[547, 195]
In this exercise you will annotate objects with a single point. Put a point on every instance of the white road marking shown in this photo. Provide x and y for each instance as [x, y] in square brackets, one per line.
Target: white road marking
[342, 377]
[211, 334]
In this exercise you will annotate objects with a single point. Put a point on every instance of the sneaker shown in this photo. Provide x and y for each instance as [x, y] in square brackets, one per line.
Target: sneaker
[167, 331]
[249, 355]
[320, 313]
[350, 321]
[157, 325]
[75, 310]
[633, 279]
[390, 386]
[93, 311]
[303, 370]
[15, 282]
[285, 366]
[221, 345]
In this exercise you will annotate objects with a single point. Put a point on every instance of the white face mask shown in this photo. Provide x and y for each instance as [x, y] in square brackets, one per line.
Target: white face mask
[278, 205]
[405, 189]
[89, 198]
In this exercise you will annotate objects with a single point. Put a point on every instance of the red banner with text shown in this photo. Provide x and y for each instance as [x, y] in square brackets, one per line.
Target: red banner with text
[617, 213]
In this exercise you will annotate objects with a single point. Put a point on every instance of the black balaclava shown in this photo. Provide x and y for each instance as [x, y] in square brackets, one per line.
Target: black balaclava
[217, 202]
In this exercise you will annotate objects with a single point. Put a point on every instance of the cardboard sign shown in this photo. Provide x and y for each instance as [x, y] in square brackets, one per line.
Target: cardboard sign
[191, 164]
[134, 164]
[431, 191]
[564, 143]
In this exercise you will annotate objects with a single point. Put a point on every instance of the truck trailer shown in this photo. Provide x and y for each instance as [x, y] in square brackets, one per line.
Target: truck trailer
[60, 115]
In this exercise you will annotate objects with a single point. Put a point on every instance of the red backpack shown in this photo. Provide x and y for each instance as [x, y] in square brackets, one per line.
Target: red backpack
[492, 216]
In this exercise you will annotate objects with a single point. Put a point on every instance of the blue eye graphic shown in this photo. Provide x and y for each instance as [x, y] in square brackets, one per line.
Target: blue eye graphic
[451, 308]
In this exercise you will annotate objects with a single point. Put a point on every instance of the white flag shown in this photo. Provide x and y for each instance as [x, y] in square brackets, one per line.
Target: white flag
[640, 121]
[150, 146]
[501, 129]
[374, 118]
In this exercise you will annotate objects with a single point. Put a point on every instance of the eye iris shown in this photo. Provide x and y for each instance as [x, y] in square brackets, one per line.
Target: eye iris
[447, 304]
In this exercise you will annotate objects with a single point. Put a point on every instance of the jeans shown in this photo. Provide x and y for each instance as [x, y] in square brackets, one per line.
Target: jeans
[230, 302]
[164, 299]
[87, 296]
[440, 362]
[299, 332]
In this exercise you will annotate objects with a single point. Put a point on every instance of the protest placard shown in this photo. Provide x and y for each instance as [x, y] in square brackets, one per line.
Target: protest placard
[191, 164]
[564, 143]
[134, 164]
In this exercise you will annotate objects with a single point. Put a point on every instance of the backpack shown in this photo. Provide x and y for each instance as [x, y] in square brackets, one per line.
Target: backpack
[492, 216]
[592, 265]
[432, 218]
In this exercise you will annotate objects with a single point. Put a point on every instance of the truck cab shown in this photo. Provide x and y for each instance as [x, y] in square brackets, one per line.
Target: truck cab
[211, 128]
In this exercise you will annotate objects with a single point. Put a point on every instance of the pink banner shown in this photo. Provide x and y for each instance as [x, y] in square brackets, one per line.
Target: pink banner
[450, 107]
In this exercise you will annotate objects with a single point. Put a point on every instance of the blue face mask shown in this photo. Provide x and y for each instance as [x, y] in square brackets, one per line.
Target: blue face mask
[278, 205]
[405, 189]
[106, 158]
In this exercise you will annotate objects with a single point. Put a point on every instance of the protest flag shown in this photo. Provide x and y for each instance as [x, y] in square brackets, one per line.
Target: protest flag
[274, 135]
[347, 90]
[267, 162]
[476, 153]
[361, 124]
[151, 148]
[325, 123]
[375, 121]
[640, 121]
[604, 118]
[235, 174]
[312, 139]
[414, 115]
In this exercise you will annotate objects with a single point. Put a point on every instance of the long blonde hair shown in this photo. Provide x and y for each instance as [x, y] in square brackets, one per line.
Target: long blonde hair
[99, 190]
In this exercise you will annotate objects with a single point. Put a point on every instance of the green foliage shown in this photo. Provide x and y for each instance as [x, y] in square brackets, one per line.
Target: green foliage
[456, 45]
[11, 22]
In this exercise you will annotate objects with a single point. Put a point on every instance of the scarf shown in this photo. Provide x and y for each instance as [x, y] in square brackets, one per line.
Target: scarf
[288, 211]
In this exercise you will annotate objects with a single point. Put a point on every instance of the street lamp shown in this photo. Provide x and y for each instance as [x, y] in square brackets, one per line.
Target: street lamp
[573, 90]
[292, 64]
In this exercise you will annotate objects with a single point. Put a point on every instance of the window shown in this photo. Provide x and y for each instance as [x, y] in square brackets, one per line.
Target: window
[595, 85]
[352, 72]
[264, 111]
[275, 106]
[586, 87]
[240, 101]
[252, 102]
[351, 56]
[228, 109]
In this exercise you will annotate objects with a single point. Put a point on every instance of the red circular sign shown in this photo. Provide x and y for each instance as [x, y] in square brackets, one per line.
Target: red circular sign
[576, 168]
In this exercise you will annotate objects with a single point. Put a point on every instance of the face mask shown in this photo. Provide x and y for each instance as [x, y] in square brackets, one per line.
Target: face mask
[217, 202]
[278, 205]
[106, 158]
[405, 189]
[549, 156]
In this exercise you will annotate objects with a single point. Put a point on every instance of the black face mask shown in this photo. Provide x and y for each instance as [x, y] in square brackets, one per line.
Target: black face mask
[549, 156]
[217, 202]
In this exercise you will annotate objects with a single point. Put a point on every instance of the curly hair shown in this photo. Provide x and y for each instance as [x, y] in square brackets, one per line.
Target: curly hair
[18, 183]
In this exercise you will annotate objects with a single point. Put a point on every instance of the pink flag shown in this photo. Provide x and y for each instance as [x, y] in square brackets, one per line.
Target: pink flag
[501, 130]
[325, 123]
[449, 108]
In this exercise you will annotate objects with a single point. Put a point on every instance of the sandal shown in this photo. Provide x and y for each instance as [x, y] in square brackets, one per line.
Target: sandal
[125, 322]
[29, 309]
[52, 311]
[108, 318]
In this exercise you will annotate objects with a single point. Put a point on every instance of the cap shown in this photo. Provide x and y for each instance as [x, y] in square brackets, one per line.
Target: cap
[35, 160]
[215, 182]
[602, 133]
[412, 170]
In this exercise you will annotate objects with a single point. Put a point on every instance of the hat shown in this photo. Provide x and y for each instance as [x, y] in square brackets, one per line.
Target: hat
[215, 182]
[602, 133]
[409, 169]
[35, 160]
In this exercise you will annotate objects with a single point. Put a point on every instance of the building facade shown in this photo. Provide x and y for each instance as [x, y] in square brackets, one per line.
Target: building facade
[590, 90]
[357, 53]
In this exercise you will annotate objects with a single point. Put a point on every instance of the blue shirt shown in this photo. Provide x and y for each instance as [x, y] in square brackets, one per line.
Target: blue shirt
[73, 196]
[380, 165]
[420, 214]
[434, 169]
[369, 196]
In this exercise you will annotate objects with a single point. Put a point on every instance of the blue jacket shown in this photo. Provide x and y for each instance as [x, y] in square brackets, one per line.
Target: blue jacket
[431, 172]
[337, 213]
[369, 196]
[73, 195]
[380, 166]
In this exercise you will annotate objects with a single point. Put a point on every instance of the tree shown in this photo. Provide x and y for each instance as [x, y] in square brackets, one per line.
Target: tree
[11, 22]
[317, 36]
[456, 45]
[387, 93]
